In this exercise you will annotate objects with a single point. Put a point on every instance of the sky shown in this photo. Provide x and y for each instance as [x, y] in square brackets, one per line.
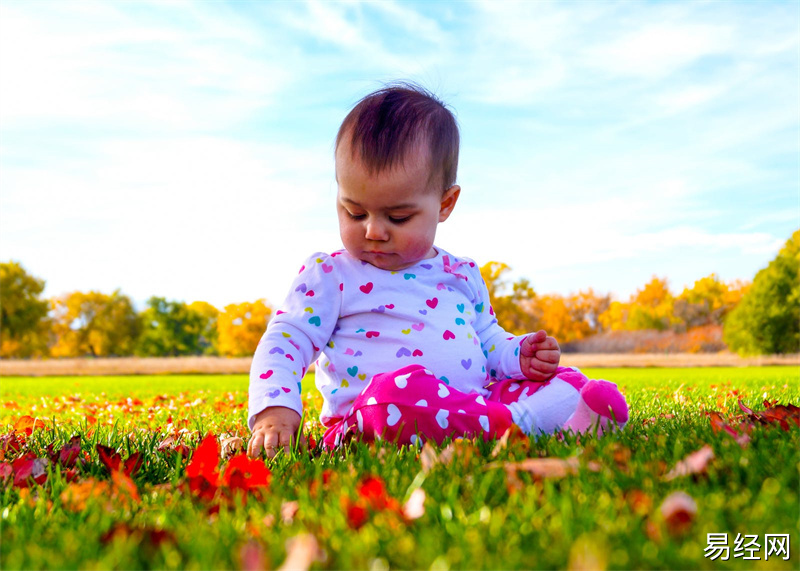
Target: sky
[185, 150]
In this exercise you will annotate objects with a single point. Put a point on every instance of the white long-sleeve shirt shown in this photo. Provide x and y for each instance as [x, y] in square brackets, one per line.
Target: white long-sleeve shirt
[357, 321]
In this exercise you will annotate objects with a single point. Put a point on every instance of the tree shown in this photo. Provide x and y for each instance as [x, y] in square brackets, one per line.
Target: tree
[23, 314]
[515, 312]
[767, 320]
[240, 327]
[707, 302]
[170, 328]
[208, 331]
[651, 307]
[94, 324]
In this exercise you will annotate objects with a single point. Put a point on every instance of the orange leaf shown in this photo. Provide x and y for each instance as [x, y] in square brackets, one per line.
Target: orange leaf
[695, 463]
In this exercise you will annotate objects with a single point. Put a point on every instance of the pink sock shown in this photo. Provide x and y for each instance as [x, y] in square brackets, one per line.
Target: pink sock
[602, 406]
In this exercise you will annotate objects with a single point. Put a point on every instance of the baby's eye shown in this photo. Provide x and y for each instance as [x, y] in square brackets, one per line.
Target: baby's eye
[399, 220]
[356, 216]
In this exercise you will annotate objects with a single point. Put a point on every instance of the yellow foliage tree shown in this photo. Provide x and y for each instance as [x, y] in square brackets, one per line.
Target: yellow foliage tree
[573, 317]
[240, 327]
[515, 312]
[652, 307]
[94, 324]
[707, 302]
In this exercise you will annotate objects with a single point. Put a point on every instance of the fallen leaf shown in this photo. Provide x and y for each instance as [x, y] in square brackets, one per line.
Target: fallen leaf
[695, 463]
[428, 457]
[231, 446]
[301, 551]
[27, 424]
[512, 437]
[288, 511]
[253, 556]
[679, 511]
[29, 468]
[112, 460]
[414, 508]
[460, 449]
[245, 474]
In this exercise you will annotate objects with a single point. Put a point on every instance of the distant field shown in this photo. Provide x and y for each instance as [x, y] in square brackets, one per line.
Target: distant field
[212, 365]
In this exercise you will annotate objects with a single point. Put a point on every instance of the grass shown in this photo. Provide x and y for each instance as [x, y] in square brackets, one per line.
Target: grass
[606, 514]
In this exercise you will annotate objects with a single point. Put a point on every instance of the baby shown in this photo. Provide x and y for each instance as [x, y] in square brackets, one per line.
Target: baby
[403, 333]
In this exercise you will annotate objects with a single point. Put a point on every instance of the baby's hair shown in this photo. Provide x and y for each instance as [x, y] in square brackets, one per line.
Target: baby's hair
[386, 125]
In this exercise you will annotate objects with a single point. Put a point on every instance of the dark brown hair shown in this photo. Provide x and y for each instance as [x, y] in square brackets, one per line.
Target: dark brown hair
[387, 124]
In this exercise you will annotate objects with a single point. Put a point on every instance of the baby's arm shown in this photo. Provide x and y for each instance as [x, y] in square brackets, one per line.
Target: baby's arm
[292, 341]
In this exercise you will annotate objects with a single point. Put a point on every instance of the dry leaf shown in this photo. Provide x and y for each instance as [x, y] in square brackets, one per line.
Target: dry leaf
[253, 556]
[301, 551]
[460, 449]
[231, 446]
[414, 508]
[512, 437]
[288, 511]
[428, 457]
[694, 463]
[679, 511]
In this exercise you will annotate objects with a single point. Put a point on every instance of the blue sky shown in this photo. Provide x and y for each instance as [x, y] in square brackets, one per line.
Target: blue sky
[185, 149]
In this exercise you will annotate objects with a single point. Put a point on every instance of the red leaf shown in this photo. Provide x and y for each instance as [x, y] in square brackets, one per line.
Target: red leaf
[112, 460]
[133, 463]
[245, 474]
[29, 468]
[679, 511]
[6, 471]
[68, 454]
[745, 408]
[357, 516]
[205, 459]
[109, 457]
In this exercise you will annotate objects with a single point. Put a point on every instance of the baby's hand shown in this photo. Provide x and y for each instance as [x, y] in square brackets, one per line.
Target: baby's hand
[275, 428]
[539, 356]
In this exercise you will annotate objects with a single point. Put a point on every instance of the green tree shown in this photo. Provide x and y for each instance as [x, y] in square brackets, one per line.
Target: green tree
[170, 328]
[23, 314]
[94, 324]
[767, 320]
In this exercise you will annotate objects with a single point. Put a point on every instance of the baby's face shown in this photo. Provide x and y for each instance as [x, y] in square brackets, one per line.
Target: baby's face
[389, 219]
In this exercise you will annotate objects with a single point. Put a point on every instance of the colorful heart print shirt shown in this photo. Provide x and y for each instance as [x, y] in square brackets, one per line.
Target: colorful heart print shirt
[357, 321]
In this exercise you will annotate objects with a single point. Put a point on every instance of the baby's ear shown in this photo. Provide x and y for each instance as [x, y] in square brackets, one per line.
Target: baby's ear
[449, 199]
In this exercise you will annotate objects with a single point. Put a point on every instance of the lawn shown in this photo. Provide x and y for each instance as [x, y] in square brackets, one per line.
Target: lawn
[691, 462]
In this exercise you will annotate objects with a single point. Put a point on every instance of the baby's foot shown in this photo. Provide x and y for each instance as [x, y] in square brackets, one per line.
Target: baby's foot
[601, 407]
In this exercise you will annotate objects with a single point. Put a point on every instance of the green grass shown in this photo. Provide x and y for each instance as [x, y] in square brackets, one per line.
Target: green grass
[473, 520]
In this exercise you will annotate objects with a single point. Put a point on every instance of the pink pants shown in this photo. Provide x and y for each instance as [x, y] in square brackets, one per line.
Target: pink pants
[411, 403]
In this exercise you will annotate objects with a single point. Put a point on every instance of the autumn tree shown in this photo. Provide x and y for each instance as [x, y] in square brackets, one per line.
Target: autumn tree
[767, 320]
[573, 317]
[23, 314]
[94, 324]
[208, 331]
[515, 312]
[707, 302]
[652, 307]
[240, 327]
[171, 328]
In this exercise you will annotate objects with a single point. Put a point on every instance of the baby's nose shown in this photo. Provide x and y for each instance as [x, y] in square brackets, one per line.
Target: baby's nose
[376, 231]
